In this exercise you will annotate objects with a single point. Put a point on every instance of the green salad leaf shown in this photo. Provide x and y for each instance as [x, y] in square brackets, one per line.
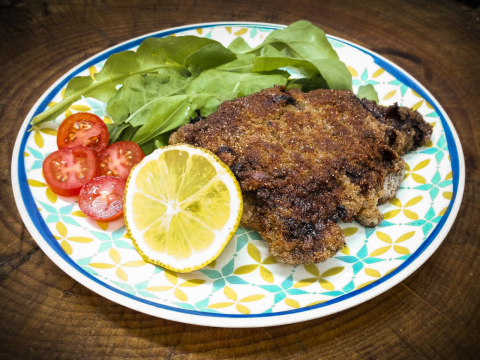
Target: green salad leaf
[243, 84]
[305, 41]
[133, 103]
[115, 132]
[367, 92]
[308, 84]
[239, 46]
[155, 143]
[210, 56]
[335, 73]
[168, 113]
[243, 64]
[152, 91]
[306, 47]
[184, 50]
[141, 89]
[152, 55]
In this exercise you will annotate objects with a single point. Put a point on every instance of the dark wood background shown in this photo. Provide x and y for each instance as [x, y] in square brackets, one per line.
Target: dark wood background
[434, 314]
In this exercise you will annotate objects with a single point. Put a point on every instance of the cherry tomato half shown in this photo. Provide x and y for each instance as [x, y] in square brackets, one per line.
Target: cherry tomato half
[67, 170]
[102, 198]
[83, 129]
[119, 158]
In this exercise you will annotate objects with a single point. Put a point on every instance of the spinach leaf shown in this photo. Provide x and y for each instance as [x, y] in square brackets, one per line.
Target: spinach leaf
[333, 71]
[269, 63]
[210, 56]
[184, 50]
[145, 99]
[116, 69]
[308, 84]
[305, 41]
[242, 65]
[304, 47]
[155, 143]
[168, 113]
[140, 89]
[148, 104]
[276, 57]
[151, 56]
[367, 92]
[214, 81]
[167, 79]
[239, 46]
[115, 131]
[121, 132]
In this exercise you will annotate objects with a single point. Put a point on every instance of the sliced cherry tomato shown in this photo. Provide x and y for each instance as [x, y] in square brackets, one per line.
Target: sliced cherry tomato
[83, 129]
[119, 158]
[67, 170]
[102, 198]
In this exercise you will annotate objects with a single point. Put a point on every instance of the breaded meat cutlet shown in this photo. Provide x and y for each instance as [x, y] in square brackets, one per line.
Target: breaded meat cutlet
[306, 160]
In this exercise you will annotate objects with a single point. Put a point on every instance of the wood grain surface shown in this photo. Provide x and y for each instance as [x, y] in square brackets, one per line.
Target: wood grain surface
[433, 314]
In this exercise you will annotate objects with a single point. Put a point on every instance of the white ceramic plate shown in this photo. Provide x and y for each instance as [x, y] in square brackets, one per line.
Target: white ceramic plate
[245, 287]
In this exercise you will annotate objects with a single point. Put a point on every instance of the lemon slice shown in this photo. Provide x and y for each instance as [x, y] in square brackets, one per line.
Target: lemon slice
[182, 206]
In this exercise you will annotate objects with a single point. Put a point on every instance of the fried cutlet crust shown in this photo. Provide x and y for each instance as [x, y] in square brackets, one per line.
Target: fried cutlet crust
[306, 160]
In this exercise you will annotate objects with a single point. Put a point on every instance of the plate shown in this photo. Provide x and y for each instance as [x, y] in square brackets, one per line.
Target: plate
[245, 287]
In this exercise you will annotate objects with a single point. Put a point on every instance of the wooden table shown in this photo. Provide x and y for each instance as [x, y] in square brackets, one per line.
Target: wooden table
[435, 313]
